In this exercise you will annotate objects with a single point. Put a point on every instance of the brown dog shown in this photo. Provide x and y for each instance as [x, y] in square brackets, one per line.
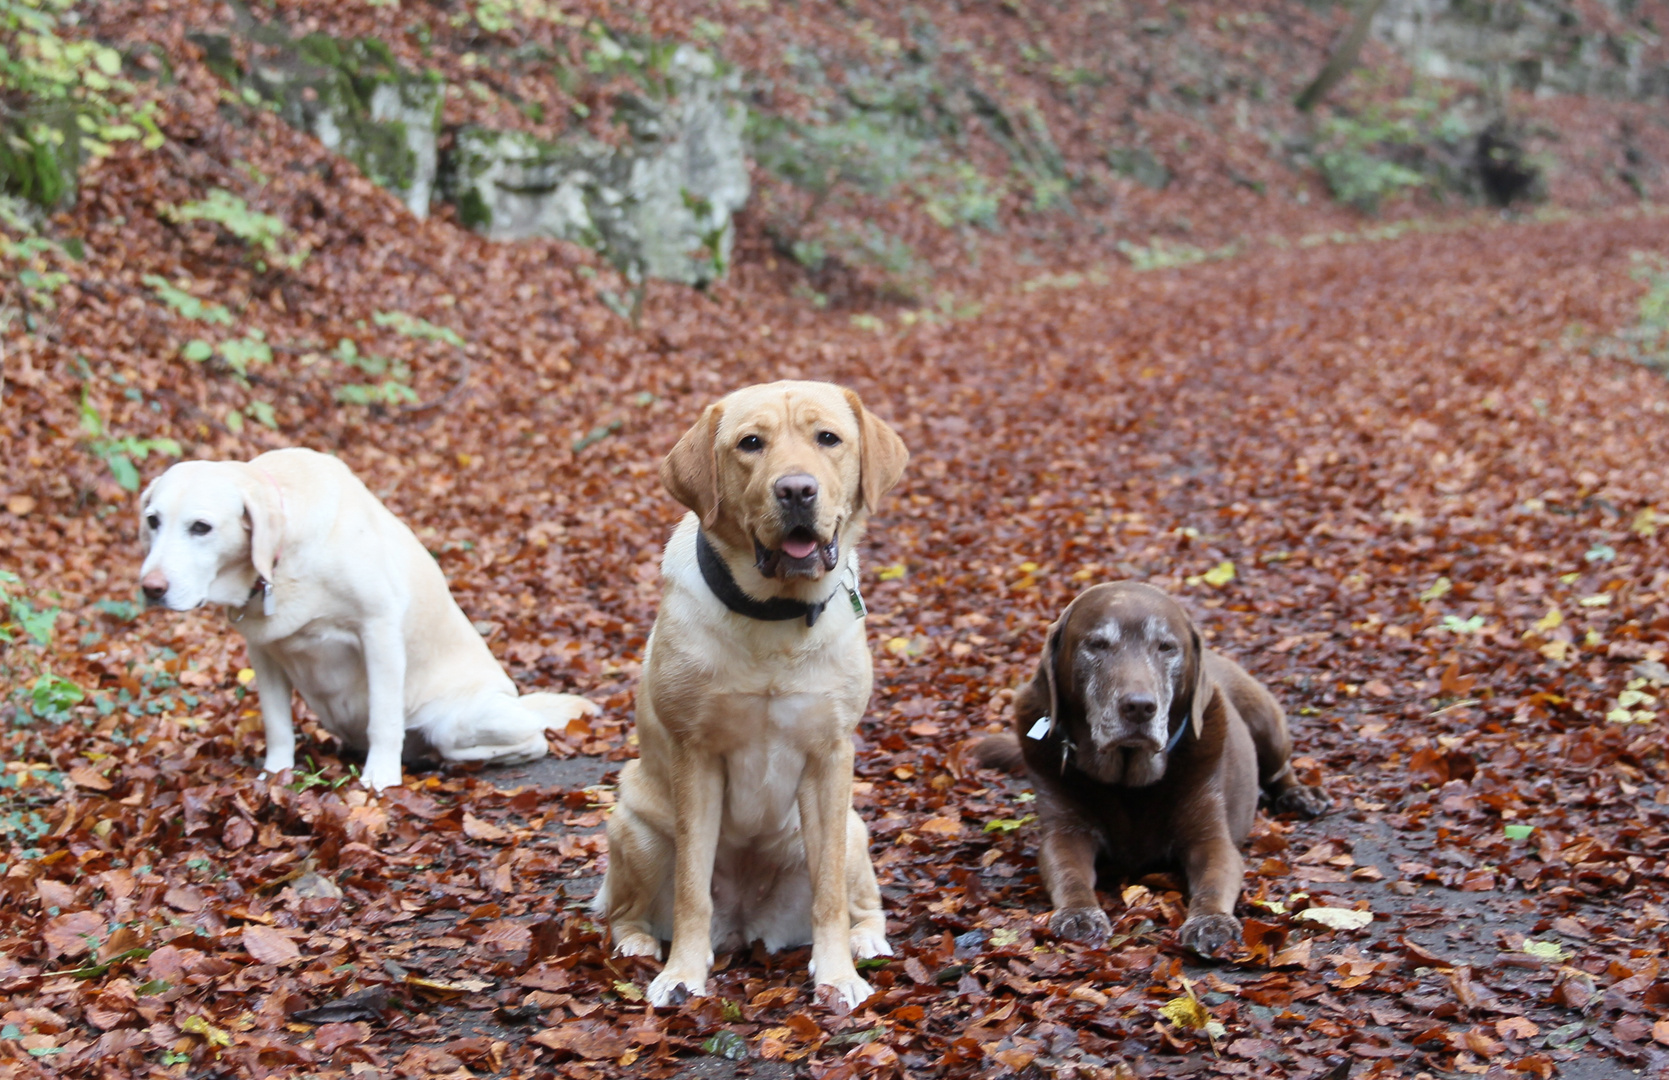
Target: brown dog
[1147, 751]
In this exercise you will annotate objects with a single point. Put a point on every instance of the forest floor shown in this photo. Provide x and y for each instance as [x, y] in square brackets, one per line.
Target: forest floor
[1441, 511]
[1407, 472]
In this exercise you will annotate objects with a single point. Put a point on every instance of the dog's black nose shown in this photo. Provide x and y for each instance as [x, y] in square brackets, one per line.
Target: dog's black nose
[1137, 708]
[796, 490]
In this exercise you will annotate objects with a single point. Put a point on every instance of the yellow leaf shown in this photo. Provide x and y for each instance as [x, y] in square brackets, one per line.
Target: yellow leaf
[627, 990]
[1440, 587]
[1645, 523]
[1555, 650]
[246, 676]
[436, 988]
[1028, 568]
[1219, 575]
[196, 1025]
[891, 573]
[1186, 1013]
[1337, 918]
[898, 646]
[1551, 621]
[1597, 600]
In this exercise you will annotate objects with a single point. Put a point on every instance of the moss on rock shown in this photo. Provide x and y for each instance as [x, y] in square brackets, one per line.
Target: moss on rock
[359, 101]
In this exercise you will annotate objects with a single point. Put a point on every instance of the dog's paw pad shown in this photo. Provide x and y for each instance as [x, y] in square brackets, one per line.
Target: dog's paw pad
[1086, 924]
[669, 988]
[1302, 800]
[635, 943]
[1206, 935]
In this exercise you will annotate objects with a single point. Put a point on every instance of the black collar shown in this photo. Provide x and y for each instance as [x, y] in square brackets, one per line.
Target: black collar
[718, 578]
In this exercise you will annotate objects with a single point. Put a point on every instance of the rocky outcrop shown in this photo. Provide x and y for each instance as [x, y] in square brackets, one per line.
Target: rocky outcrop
[658, 206]
[359, 101]
[1540, 46]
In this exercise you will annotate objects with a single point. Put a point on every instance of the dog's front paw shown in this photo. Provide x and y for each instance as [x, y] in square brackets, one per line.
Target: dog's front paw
[671, 987]
[1302, 800]
[868, 943]
[380, 774]
[1206, 934]
[1089, 925]
[843, 994]
[637, 943]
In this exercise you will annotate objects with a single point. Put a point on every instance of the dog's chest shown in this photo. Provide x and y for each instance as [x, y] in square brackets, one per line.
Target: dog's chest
[326, 665]
[765, 747]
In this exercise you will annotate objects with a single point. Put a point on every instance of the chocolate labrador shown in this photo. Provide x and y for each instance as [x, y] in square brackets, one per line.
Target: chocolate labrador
[1147, 751]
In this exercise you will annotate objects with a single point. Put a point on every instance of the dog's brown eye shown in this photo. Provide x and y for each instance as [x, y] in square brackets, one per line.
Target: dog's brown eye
[1099, 644]
[827, 438]
[1166, 646]
[200, 528]
[751, 443]
[154, 521]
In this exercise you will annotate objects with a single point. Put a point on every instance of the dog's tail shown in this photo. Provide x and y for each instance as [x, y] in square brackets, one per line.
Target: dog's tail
[999, 752]
[556, 710]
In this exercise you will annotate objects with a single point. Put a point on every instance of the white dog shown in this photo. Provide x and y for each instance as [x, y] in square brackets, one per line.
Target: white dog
[337, 599]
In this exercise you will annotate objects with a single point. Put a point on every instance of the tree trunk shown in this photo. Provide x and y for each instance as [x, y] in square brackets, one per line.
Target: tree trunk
[1343, 58]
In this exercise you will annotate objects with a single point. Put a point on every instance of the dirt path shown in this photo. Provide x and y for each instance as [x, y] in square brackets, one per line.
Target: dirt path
[1439, 510]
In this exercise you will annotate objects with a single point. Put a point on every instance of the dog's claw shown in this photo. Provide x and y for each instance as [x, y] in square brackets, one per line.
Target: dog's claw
[669, 988]
[867, 944]
[1205, 935]
[843, 995]
[634, 943]
[1302, 800]
[1086, 924]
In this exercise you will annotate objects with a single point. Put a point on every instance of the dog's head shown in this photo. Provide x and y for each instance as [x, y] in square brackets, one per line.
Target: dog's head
[210, 530]
[786, 472]
[1122, 673]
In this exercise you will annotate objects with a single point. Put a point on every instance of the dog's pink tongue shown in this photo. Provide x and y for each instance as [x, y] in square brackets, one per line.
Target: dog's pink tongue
[798, 548]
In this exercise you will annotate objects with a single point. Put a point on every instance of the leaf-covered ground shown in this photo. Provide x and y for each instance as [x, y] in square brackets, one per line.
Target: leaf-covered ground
[1392, 477]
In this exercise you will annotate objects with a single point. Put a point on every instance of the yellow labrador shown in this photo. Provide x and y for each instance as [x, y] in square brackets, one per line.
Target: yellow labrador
[337, 599]
[736, 823]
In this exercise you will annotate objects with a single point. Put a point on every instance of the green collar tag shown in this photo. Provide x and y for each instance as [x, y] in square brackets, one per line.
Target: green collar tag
[857, 602]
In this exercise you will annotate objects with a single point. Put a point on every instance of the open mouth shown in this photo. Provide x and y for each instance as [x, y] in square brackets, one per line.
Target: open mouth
[802, 554]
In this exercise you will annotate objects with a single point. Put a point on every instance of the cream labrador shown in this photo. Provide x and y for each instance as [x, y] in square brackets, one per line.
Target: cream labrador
[337, 599]
[736, 823]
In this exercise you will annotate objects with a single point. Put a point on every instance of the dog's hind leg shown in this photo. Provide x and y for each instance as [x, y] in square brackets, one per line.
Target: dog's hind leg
[869, 923]
[495, 728]
[636, 896]
[1267, 723]
[558, 709]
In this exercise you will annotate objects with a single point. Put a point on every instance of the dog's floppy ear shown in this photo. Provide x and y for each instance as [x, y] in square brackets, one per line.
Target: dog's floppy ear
[1198, 689]
[882, 455]
[146, 535]
[1041, 695]
[1050, 662]
[691, 472]
[263, 508]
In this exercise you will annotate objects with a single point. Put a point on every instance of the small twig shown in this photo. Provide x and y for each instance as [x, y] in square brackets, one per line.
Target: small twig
[457, 388]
